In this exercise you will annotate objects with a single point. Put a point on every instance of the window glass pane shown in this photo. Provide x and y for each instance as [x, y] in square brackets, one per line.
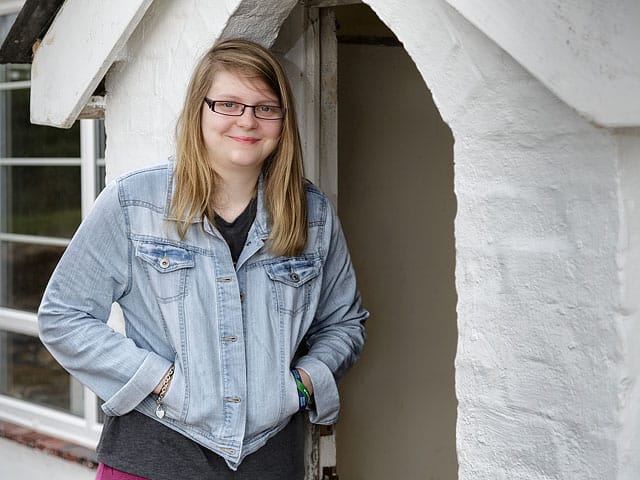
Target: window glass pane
[101, 139]
[15, 72]
[25, 269]
[19, 138]
[40, 200]
[6, 22]
[29, 372]
[102, 173]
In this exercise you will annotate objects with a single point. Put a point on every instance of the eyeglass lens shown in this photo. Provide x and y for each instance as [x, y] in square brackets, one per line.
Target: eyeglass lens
[225, 107]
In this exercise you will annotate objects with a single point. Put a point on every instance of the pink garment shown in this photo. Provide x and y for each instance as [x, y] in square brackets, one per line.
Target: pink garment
[105, 472]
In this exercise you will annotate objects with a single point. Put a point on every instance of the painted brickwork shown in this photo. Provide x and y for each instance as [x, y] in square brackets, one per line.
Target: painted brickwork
[547, 232]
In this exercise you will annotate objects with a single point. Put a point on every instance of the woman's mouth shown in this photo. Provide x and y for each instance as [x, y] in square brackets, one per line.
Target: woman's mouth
[246, 140]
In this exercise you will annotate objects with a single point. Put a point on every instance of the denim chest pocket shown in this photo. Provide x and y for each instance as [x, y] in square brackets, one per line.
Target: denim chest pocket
[292, 282]
[167, 267]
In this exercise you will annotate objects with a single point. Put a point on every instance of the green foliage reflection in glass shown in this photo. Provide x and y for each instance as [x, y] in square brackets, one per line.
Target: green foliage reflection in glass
[23, 139]
[42, 200]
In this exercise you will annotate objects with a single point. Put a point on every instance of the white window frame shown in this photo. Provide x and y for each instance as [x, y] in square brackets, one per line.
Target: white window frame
[8, 7]
[84, 430]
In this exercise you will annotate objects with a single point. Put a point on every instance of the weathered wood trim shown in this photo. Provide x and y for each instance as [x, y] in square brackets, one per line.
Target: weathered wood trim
[311, 451]
[328, 74]
[31, 24]
[80, 46]
[94, 108]
[329, 3]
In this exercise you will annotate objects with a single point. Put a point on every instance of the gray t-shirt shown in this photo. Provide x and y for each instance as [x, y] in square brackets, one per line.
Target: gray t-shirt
[137, 444]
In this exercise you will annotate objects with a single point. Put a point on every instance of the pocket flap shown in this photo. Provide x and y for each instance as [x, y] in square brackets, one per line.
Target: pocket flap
[294, 271]
[165, 258]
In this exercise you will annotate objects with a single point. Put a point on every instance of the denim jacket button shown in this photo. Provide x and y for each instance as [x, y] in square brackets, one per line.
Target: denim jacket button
[164, 263]
[294, 276]
[241, 296]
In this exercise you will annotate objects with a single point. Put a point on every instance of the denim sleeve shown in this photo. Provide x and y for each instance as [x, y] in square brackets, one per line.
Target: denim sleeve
[336, 336]
[94, 272]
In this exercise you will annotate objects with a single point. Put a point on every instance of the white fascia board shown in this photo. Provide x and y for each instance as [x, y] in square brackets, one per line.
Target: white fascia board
[83, 41]
[585, 52]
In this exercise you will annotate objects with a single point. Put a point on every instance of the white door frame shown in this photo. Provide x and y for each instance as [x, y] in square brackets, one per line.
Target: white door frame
[309, 46]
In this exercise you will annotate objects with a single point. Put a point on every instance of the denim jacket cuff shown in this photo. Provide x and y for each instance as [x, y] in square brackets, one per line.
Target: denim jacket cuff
[325, 391]
[153, 368]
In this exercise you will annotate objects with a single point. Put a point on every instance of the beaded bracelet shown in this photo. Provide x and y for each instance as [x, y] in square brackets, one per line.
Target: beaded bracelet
[304, 397]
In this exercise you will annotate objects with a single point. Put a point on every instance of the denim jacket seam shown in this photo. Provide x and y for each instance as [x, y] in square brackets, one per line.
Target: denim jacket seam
[142, 171]
[136, 237]
[142, 203]
[127, 225]
[184, 363]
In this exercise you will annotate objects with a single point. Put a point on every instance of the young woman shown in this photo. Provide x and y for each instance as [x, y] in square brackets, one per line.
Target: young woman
[239, 298]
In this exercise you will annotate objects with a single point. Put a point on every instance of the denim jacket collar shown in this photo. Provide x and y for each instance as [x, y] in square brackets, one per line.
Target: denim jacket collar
[261, 227]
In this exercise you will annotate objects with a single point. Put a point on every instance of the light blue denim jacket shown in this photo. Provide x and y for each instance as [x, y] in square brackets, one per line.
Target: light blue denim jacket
[232, 333]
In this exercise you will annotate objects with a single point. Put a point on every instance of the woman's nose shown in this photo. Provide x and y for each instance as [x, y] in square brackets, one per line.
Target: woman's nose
[248, 117]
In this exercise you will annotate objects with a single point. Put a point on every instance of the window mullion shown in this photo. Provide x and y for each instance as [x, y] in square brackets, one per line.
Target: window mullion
[34, 239]
[88, 189]
[88, 169]
[15, 85]
[18, 321]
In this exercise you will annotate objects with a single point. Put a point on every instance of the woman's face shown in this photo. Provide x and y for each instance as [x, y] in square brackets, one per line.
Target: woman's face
[239, 144]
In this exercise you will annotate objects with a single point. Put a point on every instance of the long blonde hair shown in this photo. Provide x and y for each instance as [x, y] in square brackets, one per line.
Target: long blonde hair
[283, 170]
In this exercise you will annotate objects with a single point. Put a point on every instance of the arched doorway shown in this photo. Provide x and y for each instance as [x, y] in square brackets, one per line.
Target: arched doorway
[377, 144]
[397, 205]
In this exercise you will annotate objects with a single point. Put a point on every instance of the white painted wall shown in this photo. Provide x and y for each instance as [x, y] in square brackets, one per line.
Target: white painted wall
[146, 88]
[74, 56]
[541, 346]
[586, 52]
[629, 319]
[546, 236]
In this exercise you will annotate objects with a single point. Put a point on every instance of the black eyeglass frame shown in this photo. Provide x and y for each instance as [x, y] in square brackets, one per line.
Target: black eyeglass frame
[211, 104]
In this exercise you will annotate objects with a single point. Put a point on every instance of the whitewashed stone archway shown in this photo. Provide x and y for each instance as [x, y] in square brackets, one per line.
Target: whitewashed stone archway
[543, 376]
[544, 380]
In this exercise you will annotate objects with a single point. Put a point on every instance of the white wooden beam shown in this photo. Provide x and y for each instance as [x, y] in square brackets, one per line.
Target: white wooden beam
[82, 43]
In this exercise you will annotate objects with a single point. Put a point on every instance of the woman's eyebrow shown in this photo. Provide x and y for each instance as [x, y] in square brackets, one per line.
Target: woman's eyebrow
[236, 98]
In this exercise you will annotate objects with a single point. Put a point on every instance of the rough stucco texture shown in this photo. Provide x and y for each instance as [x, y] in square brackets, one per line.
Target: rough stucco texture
[628, 261]
[570, 46]
[536, 251]
[537, 230]
[146, 88]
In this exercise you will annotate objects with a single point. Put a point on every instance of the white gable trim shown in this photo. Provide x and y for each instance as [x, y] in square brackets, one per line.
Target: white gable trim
[82, 43]
[584, 52]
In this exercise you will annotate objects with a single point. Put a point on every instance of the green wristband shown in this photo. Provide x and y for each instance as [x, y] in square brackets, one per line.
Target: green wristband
[301, 388]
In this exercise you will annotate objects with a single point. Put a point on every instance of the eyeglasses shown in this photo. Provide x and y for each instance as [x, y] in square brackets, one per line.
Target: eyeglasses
[236, 109]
